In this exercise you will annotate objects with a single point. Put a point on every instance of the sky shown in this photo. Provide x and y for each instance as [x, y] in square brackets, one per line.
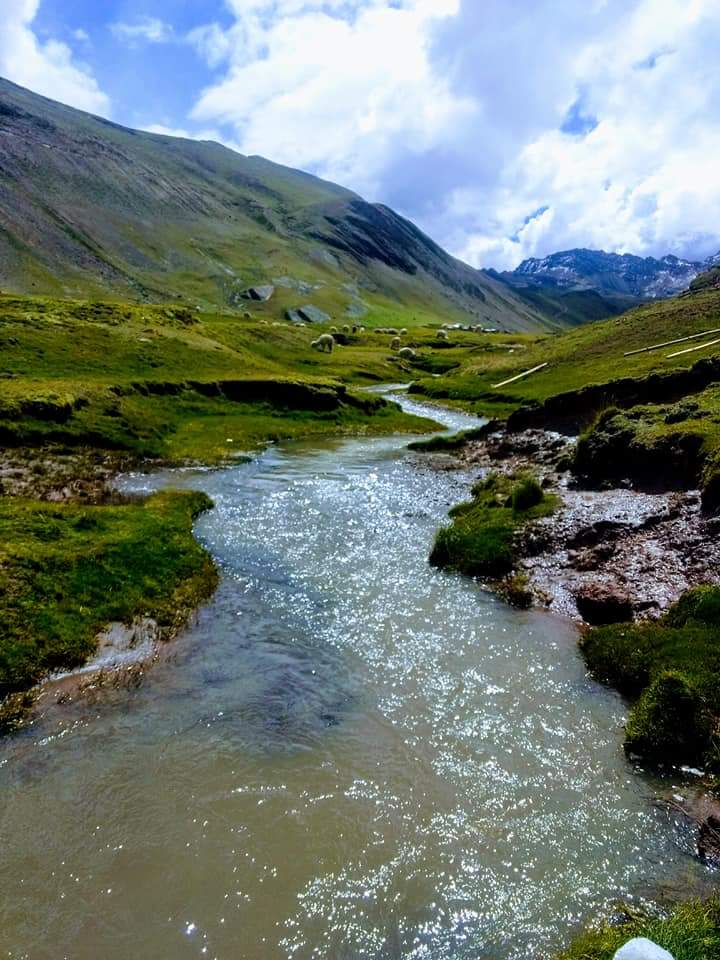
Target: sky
[505, 128]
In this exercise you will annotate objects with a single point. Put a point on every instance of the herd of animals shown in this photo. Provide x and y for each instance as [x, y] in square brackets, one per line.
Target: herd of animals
[326, 342]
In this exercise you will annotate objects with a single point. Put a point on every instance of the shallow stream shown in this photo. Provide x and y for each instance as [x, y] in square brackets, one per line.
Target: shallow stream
[350, 755]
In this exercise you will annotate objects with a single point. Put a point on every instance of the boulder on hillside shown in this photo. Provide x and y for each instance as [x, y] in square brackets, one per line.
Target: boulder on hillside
[262, 293]
[294, 316]
[311, 314]
[600, 605]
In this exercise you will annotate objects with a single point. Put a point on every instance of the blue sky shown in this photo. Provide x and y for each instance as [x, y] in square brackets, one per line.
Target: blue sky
[505, 128]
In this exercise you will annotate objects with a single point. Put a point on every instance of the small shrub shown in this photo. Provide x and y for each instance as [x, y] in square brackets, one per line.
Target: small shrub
[526, 494]
[516, 591]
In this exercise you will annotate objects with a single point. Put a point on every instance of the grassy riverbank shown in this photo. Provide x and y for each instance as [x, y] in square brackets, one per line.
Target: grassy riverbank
[671, 668]
[67, 571]
[176, 385]
[480, 540]
[690, 932]
[675, 445]
[85, 385]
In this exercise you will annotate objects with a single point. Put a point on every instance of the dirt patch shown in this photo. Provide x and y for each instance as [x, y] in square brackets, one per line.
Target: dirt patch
[56, 476]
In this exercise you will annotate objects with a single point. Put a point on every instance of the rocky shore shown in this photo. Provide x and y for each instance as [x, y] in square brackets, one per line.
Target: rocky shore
[606, 555]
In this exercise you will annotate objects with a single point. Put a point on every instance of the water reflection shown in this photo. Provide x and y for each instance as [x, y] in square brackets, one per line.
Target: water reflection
[350, 755]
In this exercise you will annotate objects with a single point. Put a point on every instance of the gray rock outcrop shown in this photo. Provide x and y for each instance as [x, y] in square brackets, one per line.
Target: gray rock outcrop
[262, 293]
[311, 314]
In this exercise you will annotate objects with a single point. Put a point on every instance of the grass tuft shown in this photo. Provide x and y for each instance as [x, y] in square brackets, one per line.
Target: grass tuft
[480, 542]
[690, 932]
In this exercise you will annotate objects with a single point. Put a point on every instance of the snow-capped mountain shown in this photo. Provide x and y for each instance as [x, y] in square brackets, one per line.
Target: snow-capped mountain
[624, 275]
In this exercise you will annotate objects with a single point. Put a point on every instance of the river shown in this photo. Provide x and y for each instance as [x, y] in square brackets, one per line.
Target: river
[350, 755]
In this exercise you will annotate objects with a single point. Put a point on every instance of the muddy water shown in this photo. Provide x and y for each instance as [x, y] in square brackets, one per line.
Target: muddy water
[350, 755]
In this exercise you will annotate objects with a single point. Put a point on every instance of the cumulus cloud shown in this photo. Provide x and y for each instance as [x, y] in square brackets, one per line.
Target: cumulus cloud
[47, 68]
[507, 128]
[147, 29]
[341, 88]
[639, 177]
[166, 130]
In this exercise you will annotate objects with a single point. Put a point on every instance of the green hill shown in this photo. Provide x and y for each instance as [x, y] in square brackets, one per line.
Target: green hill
[586, 366]
[89, 208]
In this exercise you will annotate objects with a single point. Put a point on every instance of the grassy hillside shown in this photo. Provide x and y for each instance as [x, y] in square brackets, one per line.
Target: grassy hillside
[89, 208]
[588, 356]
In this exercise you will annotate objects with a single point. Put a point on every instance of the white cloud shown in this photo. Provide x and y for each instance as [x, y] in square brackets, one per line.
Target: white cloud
[451, 111]
[642, 181]
[167, 130]
[148, 29]
[47, 68]
[337, 87]
[212, 43]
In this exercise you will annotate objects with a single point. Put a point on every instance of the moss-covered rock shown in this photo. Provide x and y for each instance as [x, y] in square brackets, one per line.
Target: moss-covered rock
[670, 722]
[671, 668]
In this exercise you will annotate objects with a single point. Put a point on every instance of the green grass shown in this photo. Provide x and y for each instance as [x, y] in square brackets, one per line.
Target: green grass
[170, 383]
[67, 571]
[589, 355]
[480, 540]
[691, 931]
[673, 446]
[671, 669]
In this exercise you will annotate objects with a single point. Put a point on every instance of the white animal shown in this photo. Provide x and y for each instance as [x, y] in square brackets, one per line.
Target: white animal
[442, 335]
[323, 344]
[407, 353]
[395, 343]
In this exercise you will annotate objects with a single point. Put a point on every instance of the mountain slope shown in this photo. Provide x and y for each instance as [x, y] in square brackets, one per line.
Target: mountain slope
[91, 208]
[622, 281]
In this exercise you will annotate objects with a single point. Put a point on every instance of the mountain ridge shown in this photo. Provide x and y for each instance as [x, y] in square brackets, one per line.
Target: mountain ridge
[623, 277]
[89, 207]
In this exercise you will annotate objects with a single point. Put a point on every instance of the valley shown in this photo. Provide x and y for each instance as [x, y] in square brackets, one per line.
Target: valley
[314, 538]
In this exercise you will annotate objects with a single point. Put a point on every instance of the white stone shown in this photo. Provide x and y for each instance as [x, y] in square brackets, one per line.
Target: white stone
[642, 949]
